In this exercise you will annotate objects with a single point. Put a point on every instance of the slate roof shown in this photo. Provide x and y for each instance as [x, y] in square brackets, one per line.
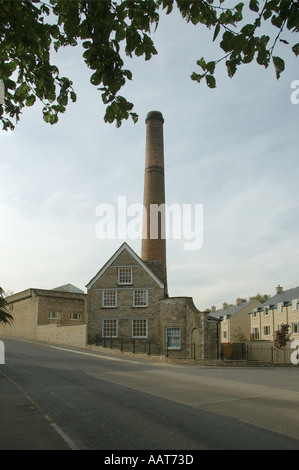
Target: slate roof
[284, 296]
[69, 288]
[230, 310]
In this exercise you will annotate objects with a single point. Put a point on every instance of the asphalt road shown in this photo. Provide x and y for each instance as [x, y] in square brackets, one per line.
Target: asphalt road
[102, 402]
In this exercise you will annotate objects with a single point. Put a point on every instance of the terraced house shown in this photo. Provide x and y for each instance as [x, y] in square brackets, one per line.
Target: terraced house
[282, 308]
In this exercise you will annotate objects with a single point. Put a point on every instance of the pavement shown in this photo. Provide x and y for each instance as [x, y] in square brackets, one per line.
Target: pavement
[23, 426]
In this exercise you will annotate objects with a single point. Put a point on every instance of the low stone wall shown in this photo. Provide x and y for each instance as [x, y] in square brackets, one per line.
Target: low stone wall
[71, 335]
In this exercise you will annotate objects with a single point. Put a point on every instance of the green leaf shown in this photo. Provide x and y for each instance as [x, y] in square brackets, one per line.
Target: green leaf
[254, 5]
[197, 77]
[279, 66]
[96, 78]
[295, 49]
[30, 101]
[216, 32]
[211, 82]
[231, 68]
[202, 63]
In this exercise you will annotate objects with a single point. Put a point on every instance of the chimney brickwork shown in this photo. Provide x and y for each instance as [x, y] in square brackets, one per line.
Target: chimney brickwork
[153, 250]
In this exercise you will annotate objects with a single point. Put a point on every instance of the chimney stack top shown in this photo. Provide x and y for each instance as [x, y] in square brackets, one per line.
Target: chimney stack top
[154, 115]
[279, 289]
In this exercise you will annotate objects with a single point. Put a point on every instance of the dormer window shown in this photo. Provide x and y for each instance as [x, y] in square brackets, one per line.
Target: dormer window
[266, 313]
[125, 275]
[294, 304]
[279, 307]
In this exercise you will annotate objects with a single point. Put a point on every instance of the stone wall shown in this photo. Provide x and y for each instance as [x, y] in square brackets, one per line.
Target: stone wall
[71, 335]
[30, 311]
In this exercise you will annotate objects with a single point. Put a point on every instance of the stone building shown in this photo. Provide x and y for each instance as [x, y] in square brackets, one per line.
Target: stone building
[33, 309]
[127, 300]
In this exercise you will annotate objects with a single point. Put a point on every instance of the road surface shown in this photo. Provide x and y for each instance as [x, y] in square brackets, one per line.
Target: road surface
[102, 402]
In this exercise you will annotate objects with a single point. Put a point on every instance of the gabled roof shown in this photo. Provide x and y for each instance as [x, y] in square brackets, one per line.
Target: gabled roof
[230, 310]
[123, 247]
[283, 296]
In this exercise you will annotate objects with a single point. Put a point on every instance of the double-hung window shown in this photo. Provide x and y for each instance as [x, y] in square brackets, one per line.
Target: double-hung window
[295, 327]
[173, 338]
[267, 330]
[140, 298]
[255, 333]
[139, 328]
[109, 328]
[294, 304]
[109, 298]
[125, 275]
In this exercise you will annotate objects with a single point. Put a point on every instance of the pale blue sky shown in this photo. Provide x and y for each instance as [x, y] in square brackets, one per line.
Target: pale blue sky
[233, 149]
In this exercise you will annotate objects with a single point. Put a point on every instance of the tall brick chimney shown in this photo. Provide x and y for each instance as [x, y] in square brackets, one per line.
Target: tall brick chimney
[153, 249]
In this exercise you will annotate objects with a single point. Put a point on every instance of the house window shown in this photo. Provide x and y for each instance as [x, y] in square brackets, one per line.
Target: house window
[140, 298]
[75, 316]
[294, 304]
[55, 315]
[125, 275]
[139, 328]
[109, 298]
[266, 312]
[224, 334]
[295, 327]
[254, 313]
[109, 328]
[173, 338]
[267, 330]
[279, 307]
[256, 333]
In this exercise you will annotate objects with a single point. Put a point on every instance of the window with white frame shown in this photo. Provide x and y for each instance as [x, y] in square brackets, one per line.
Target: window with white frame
[266, 311]
[295, 327]
[173, 338]
[139, 328]
[75, 316]
[267, 330]
[279, 307]
[125, 275]
[109, 298]
[140, 298]
[55, 315]
[294, 304]
[109, 328]
[254, 313]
